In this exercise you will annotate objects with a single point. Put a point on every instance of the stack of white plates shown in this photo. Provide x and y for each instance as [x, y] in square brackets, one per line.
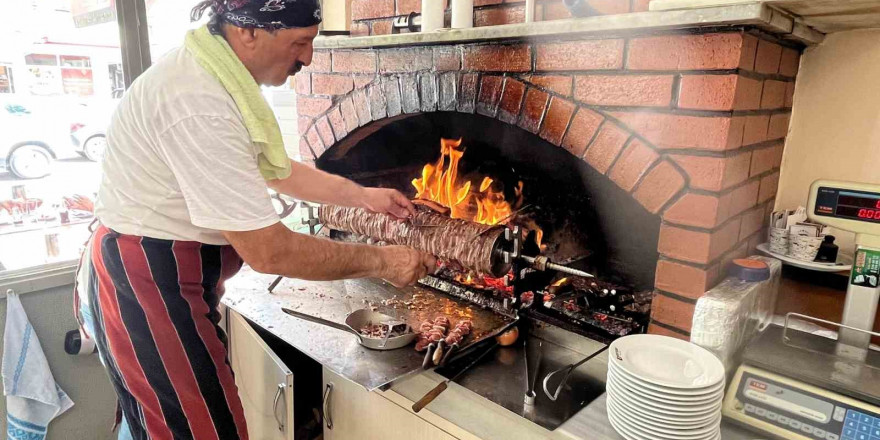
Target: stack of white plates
[662, 388]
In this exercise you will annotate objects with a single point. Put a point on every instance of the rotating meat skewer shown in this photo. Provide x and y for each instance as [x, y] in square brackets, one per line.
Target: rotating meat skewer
[482, 248]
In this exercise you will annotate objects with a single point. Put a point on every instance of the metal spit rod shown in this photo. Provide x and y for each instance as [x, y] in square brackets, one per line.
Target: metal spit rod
[515, 238]
[542, 263]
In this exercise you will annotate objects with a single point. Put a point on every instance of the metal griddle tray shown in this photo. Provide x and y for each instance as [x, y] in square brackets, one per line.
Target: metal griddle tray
[429, 303]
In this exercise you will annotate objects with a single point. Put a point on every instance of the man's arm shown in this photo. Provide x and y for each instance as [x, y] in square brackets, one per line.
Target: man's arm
[278, 250]
[306, 183]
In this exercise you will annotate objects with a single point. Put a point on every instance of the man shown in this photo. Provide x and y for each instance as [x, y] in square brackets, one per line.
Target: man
[184, 200]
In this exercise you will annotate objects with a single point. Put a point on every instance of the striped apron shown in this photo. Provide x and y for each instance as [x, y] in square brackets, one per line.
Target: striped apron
[153, 307]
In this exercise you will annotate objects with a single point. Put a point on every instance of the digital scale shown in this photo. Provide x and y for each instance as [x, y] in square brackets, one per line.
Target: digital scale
[794, 385]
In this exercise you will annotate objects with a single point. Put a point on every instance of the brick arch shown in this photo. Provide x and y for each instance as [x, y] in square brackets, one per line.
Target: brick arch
[690, 125]
[598, 139]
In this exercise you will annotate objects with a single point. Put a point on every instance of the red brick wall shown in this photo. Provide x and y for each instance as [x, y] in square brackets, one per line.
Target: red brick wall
[691, 125]
[373, 17]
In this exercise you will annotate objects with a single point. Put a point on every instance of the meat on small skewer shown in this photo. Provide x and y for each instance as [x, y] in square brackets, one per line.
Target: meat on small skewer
[462, 329]
[432, 332]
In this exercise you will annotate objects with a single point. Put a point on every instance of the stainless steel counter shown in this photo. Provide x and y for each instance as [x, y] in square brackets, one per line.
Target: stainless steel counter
[339, 351]
[247, 293]
[485, 401]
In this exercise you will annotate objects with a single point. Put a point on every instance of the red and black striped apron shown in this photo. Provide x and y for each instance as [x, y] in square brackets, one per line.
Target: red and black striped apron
[156, 326]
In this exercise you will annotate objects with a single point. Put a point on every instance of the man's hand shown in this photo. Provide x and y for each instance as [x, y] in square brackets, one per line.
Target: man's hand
[388, 201]
[404, 266]
[278, 250]
[305, 183]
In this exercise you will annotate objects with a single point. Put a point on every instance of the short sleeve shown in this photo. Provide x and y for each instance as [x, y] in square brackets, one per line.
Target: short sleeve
[215, 165]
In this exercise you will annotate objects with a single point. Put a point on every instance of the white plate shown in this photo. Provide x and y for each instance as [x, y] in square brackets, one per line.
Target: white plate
[667, 361]
[664, 416]
[694, 393]
[625, 433]
[844, 262]
[649, 408]
[670, 422]
[697, 406]
[634, 433]
[686, 434]
[700, 393]
[674, 399]
[676, 432]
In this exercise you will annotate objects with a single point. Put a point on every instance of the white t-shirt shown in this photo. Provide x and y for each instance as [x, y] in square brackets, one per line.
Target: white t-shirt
[179, 163]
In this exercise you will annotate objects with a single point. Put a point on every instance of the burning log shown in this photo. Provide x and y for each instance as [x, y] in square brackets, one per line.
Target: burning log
[470, 244]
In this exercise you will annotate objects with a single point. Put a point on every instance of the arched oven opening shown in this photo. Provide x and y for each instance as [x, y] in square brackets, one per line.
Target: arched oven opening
[586, 220]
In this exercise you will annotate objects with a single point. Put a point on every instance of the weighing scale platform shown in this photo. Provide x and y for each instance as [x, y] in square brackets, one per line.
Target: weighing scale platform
[812, 359]
[800, 389]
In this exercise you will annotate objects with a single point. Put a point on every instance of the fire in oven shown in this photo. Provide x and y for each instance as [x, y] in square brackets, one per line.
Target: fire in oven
[526, 234]
[518, 224]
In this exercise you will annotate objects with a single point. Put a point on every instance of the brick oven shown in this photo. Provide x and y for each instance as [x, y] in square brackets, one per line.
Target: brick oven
[686, 122]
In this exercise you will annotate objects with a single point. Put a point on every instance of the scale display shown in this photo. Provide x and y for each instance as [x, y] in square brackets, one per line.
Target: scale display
[848, 204]
[798, 412]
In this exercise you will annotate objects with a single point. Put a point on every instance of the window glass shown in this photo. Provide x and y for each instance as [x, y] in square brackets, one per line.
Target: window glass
[38, 59]
[168, 22]
[76, 61]
[7, 83]
[60, 80]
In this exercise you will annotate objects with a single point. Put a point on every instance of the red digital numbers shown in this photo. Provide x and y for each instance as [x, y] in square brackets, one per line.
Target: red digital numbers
[877, 205]
[869, 213]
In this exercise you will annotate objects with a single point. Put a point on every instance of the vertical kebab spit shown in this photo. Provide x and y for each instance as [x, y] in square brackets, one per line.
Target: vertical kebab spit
[470, 244]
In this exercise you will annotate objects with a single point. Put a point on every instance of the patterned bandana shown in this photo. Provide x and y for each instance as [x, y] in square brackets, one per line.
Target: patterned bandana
[269, 14]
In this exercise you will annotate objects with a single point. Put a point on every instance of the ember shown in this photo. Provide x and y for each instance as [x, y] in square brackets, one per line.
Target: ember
[498, 285]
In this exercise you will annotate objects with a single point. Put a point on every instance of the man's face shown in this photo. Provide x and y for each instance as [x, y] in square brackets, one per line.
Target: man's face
[275, 56]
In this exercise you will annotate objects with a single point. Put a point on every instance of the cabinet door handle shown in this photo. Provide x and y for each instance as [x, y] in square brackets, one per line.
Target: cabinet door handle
[327, 418]
[278, 394]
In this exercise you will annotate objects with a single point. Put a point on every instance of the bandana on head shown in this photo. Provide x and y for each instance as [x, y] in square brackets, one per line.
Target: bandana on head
[269, 14]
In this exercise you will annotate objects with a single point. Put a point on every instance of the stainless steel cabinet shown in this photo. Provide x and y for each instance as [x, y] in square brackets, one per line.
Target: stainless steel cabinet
[265, 384]
[353, 413]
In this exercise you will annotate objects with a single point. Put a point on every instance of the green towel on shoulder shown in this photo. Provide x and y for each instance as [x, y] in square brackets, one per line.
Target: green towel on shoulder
[214, 54]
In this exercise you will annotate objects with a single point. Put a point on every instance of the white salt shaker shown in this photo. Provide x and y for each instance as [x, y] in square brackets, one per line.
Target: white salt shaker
[432, 15]
[462, 14]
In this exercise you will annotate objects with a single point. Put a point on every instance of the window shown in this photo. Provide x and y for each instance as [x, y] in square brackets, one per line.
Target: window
[76, 75]
[117, 83]
[76, 61]
[40, 60]
[53, 116]
[7, 83]
[54, 113]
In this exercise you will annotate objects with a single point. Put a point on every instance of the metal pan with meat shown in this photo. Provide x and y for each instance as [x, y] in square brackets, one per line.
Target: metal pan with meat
[446, 326]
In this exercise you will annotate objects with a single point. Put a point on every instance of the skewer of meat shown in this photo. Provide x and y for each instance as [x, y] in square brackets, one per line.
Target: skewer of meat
[432, 332]
[462, 329]
[441, 324]
[423, 342]
[468, 243]
[454, 338]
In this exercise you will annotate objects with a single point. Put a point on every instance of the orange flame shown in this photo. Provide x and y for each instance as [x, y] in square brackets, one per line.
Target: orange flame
[440, 183]
[560, 282]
